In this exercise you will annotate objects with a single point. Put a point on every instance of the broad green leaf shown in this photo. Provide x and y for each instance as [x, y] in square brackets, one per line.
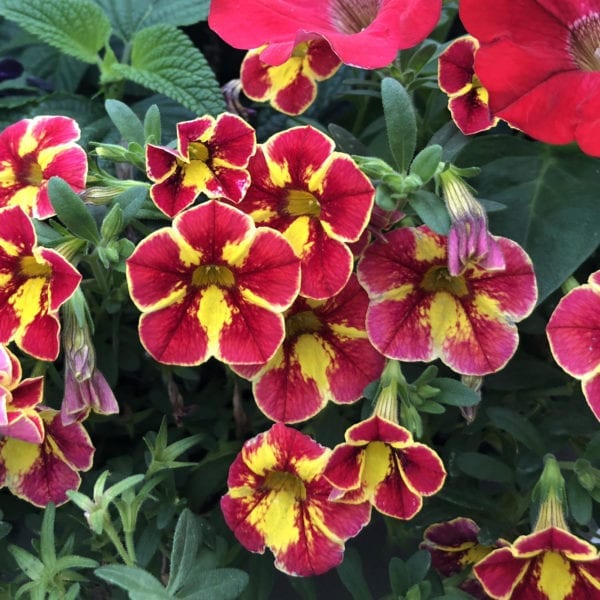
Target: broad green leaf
[400, 121]
[126, 121]
[579, 501]
[139, 584]
[551, 194]
[418, 566]
[216, 584]
[352, 576]
[187, 539]
[152, 126]
[129, 16]
[431, 210]
[71, 210]
[399, 576]
[454, 393]
[78, 28]
[484, 467]
[426, 162]
[346, 142]
[518, 427]
[164, 60]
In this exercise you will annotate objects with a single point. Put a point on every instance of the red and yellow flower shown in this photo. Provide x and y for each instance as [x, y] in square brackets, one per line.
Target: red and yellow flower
[541, 67]
[279, 499]
[326, 355]
[31, 152]
[290, 87]
[419, 312]
[34, 283]
[19, 417]
[210, 158]
[574, 335]
[319, 199]
[363, 33]
[382, 464]
[468, 99]
[213, 285]
[43, 472]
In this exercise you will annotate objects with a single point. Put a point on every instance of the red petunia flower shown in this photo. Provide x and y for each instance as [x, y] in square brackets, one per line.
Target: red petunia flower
[419, 312]
[34, 283]
[326, 355]
[574, 335]
[363, 33]
[43, 472]
[468, 99]
[31, 152]
[290, 87]
[213, 285]
[279, 499]
[540, 64]
[19, 417]
[319, 199]
[211, 158]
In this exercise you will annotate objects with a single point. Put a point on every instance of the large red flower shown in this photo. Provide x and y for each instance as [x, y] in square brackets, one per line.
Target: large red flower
[539, 62]
[363, 33]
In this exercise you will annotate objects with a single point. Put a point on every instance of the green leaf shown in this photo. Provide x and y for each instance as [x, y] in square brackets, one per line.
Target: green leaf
[32, 566]
[484, 467]
[400, 121]
[47, 545]
[418, 566]
[216, 584]
[164, 59]
[126, 121]
[78, 28]
[352, 576]
[579, 501]
[550, 192]
[71, 210]
[346, 142]
[426, 163]
[73, 561]
[140, 584]
[518, 427]
[129, 16]
[186, 541]
[399, 576]
[454, 393]
[152, 126]
[431, 210]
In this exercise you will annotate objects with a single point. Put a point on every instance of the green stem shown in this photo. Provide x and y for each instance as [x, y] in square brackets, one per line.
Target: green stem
[116, 541]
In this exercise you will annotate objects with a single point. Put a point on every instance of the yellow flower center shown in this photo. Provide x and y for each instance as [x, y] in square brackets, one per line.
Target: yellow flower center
[35, 175]
[206, 275]
[438, 279]
[584, 43]
[198, 151]
[302, 203]
[302, 322]
[287, 483]
[31, 267]
[352, 16]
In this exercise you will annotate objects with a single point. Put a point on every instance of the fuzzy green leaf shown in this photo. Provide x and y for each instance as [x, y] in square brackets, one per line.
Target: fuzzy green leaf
[186, 541]
[484, 467]
[140, 584]
[454, 393]
[78, 28]
[126, 121]
[164, 59]
[216, 584]
[519, 427]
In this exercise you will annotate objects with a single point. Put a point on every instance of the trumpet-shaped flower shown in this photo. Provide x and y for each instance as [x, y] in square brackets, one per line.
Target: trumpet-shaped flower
[382, 464]
[319, 199]
[468, 99]
[363, 33]
[43, 472]
[279, 499]
[34, 283]
[290, 87]
[326, 355]
[19, 417]
[543, 79]
[210, 158]
[574, 333]
[213, 285]
[419, 312]
[31, 152]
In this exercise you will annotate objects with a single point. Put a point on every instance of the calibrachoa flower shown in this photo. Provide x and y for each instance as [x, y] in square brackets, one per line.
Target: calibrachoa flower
[469, 241]
[381, 463]
[468, 99]
[34, 283]
[363, 33]
[326, 355]
[86, 387]
[19, 418]
[319, 199]
[542, 79]
[211, 158]
[43, 472]
[213, 285]
[31, 152]
[419, 312]
[548, 564]
[290, 87]
[279, 499]
[574, 335]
